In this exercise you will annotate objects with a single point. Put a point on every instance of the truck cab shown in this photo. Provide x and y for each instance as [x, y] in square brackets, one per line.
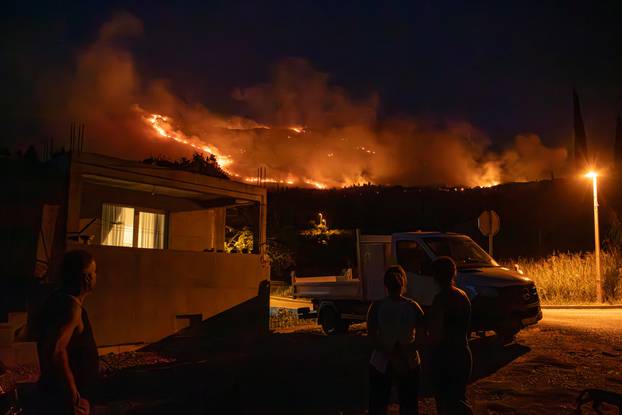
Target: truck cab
[502, 300]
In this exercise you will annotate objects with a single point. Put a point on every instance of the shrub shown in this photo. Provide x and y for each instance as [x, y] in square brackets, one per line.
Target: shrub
[199, 163]
[241, 241]
[570, 277]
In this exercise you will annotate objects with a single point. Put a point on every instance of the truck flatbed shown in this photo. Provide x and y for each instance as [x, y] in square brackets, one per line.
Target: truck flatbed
[327, 287]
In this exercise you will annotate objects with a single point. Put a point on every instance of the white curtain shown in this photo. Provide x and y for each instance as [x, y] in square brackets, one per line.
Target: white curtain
[151, 230]
[117, 225]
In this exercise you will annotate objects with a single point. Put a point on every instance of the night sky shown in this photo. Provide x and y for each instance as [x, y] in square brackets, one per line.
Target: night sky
[506, 68]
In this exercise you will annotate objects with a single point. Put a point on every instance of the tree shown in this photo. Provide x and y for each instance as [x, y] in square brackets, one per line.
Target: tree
[241, 241]
[319, 231]
[206, 165]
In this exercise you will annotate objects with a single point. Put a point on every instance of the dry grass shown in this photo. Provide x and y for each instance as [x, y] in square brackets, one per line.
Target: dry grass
[284, 317]
[281, 290]
[569, 278]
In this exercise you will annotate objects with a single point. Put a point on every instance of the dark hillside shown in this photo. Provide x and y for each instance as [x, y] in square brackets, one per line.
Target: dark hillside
[537, 218]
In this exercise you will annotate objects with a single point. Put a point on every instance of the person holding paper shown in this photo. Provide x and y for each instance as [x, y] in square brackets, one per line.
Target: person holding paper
[392, 326]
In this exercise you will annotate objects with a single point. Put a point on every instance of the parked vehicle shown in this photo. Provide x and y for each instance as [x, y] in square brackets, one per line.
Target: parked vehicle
[502, 300]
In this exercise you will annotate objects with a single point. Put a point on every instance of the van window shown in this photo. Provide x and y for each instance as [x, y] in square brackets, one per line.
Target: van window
[412, 257]
[462, 249]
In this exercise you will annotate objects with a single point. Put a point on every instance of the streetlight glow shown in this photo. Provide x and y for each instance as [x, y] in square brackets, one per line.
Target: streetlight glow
[599, 285]
[591, 174]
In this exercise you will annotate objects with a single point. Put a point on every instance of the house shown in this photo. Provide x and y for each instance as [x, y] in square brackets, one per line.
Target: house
[157, 234]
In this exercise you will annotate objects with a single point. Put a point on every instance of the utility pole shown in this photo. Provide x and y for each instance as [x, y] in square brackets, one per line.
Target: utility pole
[599, 283]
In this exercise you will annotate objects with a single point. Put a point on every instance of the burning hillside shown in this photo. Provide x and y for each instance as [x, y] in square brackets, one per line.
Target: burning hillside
[301, 128]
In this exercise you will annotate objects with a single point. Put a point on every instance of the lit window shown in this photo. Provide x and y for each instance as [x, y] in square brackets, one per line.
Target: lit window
[117, 225]
[151, 230]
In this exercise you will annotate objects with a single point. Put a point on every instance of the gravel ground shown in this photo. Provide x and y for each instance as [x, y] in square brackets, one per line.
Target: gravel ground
[569, 350]
[555, 365]
[112, 363]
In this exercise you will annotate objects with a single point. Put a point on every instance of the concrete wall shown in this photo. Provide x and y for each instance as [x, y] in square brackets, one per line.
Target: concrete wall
[197, 230]
[140, 292]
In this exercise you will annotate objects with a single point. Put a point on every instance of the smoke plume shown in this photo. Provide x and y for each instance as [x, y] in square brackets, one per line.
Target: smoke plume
[302, 128]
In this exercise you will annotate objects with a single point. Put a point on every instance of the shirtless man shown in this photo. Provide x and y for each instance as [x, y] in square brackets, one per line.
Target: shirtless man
[66, 346]
[447, 324]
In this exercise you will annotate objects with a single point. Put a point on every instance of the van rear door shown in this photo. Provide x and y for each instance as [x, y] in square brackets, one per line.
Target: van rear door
[375, 256]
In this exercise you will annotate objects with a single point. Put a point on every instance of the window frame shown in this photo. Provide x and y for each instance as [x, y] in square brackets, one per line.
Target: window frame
[101, 218]
[421, 247]
[137, 222]
[490, 261]
[135, 225]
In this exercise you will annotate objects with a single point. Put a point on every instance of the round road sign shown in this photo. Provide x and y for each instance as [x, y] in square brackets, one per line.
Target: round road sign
[488, 223]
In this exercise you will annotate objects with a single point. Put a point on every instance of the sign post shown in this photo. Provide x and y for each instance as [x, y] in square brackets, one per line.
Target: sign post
[489, 224]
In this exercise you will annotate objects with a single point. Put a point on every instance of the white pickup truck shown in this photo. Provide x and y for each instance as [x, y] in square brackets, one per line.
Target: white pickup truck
[502, 300]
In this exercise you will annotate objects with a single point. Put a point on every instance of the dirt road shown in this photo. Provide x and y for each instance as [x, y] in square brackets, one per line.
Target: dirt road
[303, 371]
[597, 322]
[568, 351]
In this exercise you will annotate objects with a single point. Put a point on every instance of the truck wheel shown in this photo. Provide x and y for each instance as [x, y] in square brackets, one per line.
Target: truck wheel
[506, 335]
[332, 323]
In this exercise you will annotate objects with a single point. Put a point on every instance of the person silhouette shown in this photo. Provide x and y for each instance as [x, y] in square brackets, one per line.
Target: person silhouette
[66, 346]
[392, 326]
[447, 325]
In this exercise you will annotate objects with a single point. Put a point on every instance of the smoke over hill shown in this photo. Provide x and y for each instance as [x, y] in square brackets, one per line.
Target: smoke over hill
[304, 129]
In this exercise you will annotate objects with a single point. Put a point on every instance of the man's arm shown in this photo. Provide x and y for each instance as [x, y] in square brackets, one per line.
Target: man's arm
[60, 359]
[420, 328]
[373, 329]
[434, 324]
[432, 329]
[467, 312]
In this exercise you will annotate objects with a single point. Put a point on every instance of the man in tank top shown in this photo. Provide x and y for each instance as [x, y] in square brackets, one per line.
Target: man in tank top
[447, 324]
[66, 346]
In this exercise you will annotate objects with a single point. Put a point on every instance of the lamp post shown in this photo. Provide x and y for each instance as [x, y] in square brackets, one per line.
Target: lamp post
[599, 285]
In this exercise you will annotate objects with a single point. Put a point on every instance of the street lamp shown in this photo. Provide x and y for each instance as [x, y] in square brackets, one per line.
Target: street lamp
[599, 285]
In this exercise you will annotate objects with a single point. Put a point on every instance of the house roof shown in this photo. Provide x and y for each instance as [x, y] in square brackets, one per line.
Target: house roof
[134, 175]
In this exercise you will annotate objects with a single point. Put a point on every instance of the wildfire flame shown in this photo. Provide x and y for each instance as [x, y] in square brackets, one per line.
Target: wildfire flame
[297, 129]
[161, 124]
[365, 150]
[256, 180]
[163, 127]
[315, 183]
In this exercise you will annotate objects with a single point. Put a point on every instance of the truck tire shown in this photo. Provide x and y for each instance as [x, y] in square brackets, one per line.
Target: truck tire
[332, 323]
[506, 335]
